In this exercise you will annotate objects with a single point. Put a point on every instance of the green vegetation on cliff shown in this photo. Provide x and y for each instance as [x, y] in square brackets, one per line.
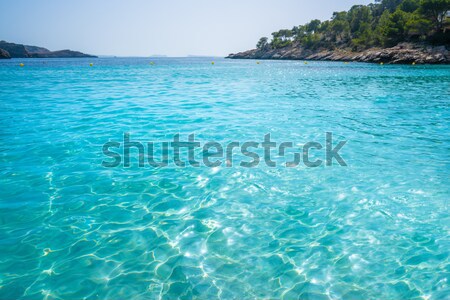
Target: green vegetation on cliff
[384, 23]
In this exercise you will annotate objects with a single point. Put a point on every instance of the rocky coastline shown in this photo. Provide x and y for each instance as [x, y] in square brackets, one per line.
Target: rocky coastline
[4, 54]
[12, 50]
[404, 53]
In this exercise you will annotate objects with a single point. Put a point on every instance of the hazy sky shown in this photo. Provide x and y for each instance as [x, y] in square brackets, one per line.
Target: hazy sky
[147, 27]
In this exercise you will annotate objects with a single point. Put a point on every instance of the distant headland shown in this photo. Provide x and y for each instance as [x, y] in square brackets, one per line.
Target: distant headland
[11, 50]
[387, 31]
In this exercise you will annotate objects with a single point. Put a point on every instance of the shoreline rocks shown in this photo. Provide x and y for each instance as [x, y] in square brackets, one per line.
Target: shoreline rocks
[404, 53]
[4, 54]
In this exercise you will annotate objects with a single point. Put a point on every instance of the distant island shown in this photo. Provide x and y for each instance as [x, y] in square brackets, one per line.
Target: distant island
[11, 50]
[387, 31]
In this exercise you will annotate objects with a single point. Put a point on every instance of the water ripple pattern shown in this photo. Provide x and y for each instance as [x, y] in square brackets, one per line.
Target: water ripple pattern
[72, 229]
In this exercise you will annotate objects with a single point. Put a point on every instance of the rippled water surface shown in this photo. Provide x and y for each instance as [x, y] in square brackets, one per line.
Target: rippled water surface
[72, 229]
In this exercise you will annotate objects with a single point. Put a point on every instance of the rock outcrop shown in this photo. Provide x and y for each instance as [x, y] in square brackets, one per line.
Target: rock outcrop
[14, 50]
[4, 54]
[404, 53]
[25, 51]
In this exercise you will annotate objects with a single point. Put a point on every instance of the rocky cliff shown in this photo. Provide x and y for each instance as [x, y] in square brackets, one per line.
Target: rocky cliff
[24, 51]
[404, 53]
[4, 54]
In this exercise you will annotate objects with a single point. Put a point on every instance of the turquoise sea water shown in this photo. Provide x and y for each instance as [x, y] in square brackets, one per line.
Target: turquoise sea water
[72, 229]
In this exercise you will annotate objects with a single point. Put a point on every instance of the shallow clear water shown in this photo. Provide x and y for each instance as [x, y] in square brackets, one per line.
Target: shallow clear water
[72, 229]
